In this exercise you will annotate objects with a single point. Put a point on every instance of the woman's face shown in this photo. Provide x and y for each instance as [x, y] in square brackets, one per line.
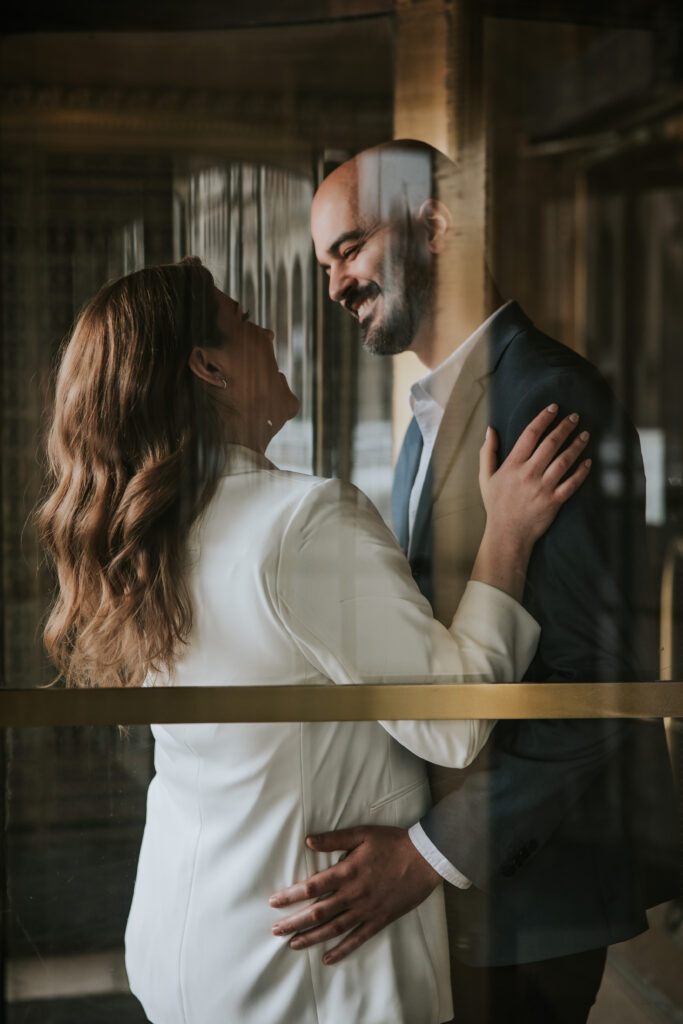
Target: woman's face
[255, 388]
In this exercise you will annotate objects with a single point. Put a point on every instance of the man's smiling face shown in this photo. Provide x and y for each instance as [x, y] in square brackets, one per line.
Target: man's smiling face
[374, 265]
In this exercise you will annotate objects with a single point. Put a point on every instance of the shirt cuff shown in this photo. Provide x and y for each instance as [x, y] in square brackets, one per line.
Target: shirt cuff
[425, 847]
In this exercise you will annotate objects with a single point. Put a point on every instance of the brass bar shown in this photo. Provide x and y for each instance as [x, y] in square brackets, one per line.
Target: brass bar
[580, 263]
[667, 614]
[53, 707]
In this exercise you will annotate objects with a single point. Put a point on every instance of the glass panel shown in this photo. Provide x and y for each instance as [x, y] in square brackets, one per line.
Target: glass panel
[71, 222]
[126, 149]
[74, 814]
[585, 233]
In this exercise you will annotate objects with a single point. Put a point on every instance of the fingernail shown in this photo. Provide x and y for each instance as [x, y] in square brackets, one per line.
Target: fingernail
[277, 931]
[588, 463]
[584, 435]
[574, 417]
[552, 408]
[488, 431]
[296, 944]
[274, 901]
[328, 959]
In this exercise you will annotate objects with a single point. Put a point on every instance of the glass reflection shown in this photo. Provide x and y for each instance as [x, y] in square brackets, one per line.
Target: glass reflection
[582, 226]
[74, 811]
[185, 558]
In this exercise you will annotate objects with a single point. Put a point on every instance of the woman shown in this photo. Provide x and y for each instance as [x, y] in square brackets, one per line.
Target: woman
[185, 558]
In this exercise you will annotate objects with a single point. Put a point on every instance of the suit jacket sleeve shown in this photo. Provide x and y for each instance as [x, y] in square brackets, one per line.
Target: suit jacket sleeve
[580, 585]
[347, 597]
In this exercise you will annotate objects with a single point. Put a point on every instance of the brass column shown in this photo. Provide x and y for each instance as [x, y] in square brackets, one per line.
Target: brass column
[438, 98]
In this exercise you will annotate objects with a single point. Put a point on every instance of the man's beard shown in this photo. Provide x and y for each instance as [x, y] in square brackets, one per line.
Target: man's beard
[407, 301]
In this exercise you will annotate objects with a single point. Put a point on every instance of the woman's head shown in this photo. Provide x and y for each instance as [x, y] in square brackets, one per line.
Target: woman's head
[253, 395]
[124, 392]
[135, 448]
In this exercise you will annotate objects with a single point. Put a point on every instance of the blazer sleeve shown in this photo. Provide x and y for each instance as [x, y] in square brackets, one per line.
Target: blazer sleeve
[347, 598]
[580, 587]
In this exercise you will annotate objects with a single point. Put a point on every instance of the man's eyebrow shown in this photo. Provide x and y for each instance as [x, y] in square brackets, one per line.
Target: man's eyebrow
[347, 236]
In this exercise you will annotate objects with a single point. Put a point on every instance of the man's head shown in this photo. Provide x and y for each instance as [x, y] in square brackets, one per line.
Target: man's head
[378, 228]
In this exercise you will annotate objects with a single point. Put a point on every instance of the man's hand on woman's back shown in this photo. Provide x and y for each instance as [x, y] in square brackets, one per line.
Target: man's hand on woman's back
[381, 878]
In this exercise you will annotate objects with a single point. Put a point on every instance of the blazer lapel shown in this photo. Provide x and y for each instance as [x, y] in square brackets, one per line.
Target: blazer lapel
[471, 387]
[465, 398]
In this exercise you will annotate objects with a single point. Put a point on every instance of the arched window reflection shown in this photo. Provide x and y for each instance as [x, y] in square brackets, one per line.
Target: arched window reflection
[250, 225]
[298, 364]
[282, 323]
[267, 309]
[248, 297]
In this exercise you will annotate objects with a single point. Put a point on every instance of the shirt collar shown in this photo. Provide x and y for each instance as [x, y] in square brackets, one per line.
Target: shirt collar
[244, 460]
[436, 386]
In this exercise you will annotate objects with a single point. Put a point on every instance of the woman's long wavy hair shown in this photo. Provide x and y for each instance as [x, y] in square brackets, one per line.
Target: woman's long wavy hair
[134, 452]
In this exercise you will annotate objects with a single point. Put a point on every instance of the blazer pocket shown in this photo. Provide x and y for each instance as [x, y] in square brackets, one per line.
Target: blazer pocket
[398, 794]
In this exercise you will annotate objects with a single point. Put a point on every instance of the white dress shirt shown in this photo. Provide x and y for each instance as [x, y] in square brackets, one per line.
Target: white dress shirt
[428, 398]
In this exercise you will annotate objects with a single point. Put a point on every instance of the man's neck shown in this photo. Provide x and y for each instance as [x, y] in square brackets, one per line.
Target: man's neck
[447, 332]
[460, 308]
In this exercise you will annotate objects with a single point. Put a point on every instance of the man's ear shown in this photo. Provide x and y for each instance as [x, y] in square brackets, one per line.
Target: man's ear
[204, 366]
[436, 220]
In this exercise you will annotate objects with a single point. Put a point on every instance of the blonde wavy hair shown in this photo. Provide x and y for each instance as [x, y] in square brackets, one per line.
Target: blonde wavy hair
[135, 453]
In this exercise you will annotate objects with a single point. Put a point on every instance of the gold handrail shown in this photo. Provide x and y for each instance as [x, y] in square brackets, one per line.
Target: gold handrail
[667, 610]
[320, 703]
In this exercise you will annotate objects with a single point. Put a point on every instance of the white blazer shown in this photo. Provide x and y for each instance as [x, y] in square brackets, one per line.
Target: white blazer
[297, 580]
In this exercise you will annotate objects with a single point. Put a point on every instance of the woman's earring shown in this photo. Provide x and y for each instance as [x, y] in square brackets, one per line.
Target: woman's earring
[269, 422]
[222, 381]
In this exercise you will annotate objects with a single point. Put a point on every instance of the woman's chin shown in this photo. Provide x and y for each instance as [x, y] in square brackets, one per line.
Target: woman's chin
[288, 407]
[294, 406]
[290, 403]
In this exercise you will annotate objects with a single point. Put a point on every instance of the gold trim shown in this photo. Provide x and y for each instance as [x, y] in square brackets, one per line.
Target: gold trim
[667, 615]
[34, 707]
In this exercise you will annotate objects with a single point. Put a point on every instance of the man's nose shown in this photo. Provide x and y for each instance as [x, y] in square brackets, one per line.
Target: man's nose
[340, 280]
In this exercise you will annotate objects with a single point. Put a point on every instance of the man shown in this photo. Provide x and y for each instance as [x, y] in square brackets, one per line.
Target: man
[561, 833]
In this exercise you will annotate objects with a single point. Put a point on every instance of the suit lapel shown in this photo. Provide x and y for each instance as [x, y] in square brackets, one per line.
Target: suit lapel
[469, 390]
[465, 397]
[463, 401]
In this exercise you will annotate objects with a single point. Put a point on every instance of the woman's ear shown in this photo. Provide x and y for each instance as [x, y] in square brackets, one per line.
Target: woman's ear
[204, 364]
[436, 220]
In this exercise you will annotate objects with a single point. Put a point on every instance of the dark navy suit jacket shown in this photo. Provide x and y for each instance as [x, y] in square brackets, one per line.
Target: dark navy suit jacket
[567, 828]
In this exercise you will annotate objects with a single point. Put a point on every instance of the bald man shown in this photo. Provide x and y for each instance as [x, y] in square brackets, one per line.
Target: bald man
[553, 843]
